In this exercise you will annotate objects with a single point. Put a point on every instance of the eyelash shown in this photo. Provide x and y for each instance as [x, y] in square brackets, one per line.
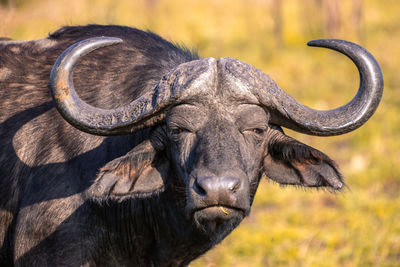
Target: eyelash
[177, 130]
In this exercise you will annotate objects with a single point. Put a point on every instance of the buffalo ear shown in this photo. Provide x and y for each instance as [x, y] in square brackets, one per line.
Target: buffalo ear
[141, 172]
[291, 162]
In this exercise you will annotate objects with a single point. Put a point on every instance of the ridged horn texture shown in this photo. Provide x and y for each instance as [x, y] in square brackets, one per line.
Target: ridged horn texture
[347, 117]
[179, 84]
[77, 112]
[287, 112]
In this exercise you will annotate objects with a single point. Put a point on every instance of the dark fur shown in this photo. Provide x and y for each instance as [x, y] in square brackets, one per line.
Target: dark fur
[70, 198]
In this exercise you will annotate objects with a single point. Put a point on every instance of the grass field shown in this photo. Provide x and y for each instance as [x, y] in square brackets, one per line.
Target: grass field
[288, 226]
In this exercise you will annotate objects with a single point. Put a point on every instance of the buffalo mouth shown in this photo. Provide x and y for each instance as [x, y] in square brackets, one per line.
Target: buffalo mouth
[218, 218]
[220, 212]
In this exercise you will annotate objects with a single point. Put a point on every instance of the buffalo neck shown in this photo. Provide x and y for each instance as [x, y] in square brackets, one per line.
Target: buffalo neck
[148, 231]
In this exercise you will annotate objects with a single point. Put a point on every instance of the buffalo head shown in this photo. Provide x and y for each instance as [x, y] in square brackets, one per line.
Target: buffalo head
[213, 130]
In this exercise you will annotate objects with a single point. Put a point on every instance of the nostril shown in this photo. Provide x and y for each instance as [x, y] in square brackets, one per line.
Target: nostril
[199, 187]
[231, 183]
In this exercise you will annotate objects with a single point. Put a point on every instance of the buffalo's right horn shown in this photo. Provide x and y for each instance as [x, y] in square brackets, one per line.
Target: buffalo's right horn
[140, 113]
[144, 111]
[84, 116]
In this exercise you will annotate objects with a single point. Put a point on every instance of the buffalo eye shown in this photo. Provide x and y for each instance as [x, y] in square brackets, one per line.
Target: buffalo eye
[258, 131]
[177, 131]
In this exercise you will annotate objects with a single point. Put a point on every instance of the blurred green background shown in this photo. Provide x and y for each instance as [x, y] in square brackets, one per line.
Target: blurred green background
[288, 226]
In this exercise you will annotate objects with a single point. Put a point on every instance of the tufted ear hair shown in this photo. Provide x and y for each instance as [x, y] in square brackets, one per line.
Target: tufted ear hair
[141, 172]
[293, 163]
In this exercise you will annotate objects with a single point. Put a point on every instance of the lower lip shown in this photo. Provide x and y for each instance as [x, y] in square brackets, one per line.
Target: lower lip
[220, 210]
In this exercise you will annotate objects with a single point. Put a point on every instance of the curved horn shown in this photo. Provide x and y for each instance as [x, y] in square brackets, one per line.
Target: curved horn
[85, 117]
[346, 118]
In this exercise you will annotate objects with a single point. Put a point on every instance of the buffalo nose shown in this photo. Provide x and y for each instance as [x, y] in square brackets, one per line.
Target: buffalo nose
[217, 188]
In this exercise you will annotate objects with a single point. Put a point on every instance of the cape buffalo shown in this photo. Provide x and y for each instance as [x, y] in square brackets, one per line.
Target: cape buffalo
[129, 150]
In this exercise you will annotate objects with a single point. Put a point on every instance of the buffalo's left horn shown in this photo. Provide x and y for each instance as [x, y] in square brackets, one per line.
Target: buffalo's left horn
[291, 114]
[87, 118]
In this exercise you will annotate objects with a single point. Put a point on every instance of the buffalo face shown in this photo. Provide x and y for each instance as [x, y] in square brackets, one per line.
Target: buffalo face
[220, 143]
[217, 149]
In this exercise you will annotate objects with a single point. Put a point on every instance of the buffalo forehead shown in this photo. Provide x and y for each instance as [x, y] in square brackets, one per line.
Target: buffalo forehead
[223, 80]
[189, 80]
[215, 88]
[237, 80]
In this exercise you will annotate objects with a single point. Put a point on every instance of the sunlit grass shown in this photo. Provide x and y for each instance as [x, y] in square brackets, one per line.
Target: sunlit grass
[288, 226]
